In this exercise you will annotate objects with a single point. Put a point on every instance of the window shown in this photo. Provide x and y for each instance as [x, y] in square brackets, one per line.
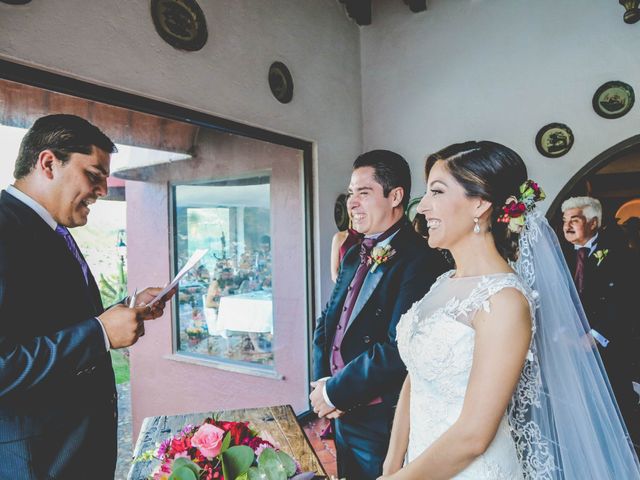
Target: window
[225, 305]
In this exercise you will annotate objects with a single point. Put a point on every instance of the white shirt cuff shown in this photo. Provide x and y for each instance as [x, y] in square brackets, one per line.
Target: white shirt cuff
[107, 344]
[324, 392]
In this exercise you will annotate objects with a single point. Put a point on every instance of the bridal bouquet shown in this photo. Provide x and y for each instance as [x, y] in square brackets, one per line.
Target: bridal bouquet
[219, 450]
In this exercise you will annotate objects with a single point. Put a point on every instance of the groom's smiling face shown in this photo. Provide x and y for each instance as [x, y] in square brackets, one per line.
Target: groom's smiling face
[372, 212]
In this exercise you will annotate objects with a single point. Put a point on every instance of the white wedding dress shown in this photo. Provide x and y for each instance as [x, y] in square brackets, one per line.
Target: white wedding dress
[436, 342]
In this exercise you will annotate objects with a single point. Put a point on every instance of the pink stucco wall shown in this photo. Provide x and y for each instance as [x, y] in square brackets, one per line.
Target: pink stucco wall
[164, 386]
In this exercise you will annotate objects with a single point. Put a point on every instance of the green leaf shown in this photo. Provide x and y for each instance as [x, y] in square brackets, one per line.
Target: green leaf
[183, 473]
[225, 442]
[271, 466]
[185, 462]
[236, 461]
[287, 462]
[255, 474]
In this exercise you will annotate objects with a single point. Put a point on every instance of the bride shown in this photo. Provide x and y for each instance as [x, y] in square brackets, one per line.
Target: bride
[504, 382]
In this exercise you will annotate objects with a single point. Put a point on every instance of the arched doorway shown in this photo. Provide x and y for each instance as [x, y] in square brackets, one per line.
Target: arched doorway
[613, 177]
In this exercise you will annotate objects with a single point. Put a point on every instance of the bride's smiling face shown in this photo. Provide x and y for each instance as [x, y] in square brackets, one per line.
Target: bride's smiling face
[447, 208]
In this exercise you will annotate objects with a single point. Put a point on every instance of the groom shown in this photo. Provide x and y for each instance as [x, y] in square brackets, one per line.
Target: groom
[356, 364]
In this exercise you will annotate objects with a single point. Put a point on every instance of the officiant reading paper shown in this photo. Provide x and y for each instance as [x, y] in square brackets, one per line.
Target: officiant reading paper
[58, 412]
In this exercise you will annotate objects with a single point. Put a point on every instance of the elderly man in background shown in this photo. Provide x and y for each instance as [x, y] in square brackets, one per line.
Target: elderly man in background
[603, 273]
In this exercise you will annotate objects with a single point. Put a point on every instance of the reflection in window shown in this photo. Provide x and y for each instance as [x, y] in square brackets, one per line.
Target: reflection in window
[225, 304]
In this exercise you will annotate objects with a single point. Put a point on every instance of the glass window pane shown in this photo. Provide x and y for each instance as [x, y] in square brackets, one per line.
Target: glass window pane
[225, 308]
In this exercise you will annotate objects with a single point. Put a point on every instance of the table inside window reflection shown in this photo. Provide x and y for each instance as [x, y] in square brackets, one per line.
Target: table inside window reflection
[247, 312]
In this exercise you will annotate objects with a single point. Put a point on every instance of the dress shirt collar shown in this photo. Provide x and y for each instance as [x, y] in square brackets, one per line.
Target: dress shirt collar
[33, 205]
[591, 244]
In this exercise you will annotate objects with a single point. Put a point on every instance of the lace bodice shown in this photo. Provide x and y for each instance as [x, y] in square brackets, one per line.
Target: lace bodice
[436, 342]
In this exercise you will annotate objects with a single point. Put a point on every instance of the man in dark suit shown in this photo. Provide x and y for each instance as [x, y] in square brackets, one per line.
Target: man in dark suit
[58, 414]
[356, 365]
[603, 273]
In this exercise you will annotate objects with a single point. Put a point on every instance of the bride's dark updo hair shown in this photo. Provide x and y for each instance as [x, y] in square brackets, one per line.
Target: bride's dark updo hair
[492, 172]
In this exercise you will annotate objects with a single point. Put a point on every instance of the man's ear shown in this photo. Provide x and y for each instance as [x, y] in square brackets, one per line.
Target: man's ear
[397, 195]
[45, 163]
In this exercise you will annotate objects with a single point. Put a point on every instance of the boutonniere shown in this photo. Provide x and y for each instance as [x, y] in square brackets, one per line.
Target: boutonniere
[380, 255]
[601, 255]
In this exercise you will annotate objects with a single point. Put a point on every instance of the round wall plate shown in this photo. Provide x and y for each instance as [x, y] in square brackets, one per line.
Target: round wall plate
[281, 82]
[613, 99]
[554, 140]
[15, 2]
[180, 23]
[340, 213]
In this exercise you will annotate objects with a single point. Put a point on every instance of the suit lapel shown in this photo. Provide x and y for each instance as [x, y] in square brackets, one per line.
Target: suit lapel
[369, 285]
[372, 280]
[42, 231]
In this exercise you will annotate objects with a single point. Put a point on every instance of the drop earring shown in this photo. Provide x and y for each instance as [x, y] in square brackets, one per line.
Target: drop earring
[476, 226]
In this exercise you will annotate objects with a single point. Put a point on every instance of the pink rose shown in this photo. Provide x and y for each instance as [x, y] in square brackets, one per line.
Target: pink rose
[208, 439]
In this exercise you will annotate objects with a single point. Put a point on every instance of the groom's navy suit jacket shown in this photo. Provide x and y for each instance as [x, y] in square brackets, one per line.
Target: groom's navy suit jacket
[373, 367]
[57, 389]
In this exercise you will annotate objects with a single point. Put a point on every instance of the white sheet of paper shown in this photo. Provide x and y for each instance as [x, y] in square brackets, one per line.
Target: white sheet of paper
[195, 258]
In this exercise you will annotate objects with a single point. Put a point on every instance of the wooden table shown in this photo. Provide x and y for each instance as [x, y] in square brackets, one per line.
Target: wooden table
[280, 421]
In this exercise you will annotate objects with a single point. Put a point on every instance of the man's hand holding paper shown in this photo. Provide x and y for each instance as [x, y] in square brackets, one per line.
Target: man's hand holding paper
[192, 262]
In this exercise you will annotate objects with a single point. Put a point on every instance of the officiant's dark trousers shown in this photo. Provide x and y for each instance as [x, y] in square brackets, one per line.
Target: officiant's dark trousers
[362, 439]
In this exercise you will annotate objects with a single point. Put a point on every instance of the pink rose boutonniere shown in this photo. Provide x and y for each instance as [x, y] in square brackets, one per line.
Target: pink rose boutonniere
[380, 255]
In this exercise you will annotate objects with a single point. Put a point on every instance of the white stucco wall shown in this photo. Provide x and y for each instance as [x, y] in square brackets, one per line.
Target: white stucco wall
[496, 70]
[114, 43]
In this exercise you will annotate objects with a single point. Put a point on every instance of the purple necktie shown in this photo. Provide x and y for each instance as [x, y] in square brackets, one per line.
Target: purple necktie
[578, 275]
[73, 248]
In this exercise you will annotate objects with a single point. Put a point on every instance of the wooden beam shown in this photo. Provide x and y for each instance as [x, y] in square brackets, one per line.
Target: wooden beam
[416, 5]
[359, 11]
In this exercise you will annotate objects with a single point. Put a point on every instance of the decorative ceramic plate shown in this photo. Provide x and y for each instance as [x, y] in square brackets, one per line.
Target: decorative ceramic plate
[180, 23]
[613, 99]
[412, 208]
[554, 140]
[281, 82]
[340, 213]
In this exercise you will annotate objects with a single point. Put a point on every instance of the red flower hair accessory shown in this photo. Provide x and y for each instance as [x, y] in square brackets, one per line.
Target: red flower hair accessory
[515, 209]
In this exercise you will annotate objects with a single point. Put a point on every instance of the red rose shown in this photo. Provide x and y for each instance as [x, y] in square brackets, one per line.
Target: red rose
[514, 209]
[240, 433]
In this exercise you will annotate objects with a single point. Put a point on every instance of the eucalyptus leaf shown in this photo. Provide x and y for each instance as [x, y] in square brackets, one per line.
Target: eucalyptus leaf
[271, 466]
[255, 474]
[236, 461]
[185, 462]
[183, 473]
[287, 462]
[268, 454]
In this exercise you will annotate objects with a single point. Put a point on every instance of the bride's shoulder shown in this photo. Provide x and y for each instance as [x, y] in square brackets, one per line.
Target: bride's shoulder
[509, 290]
